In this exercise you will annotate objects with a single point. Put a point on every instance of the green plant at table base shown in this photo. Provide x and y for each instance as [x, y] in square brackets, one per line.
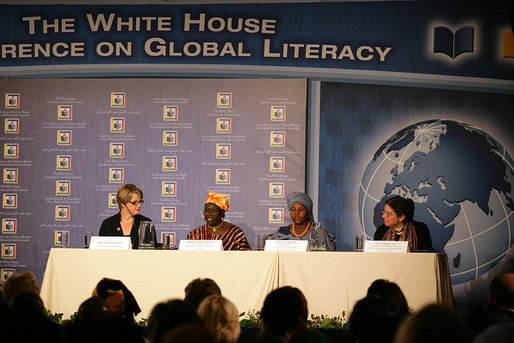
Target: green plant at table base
[142, 322]
[252, 319]
[248, 319]
[57, 318]
[325, 322]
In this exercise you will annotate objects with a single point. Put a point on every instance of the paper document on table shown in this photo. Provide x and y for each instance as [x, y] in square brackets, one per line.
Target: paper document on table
[285, 245]
[386, 246]
[110, 242]
[201, 244]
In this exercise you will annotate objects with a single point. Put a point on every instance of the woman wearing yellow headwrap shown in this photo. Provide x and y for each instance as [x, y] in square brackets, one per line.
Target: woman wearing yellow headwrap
[216, 227]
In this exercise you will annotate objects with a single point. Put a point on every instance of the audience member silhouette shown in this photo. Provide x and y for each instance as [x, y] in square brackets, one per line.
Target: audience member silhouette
[89, 321]
[483, 316]
[281, 314]
[392, 293]
[221, 318]
[28, 320]
[168, 315]
[485, 320]
[23, 315]
[433, 323]
[501, 291]
[373, 319]
[199, 289]
[189, 333]
[496, 333]
[4, 309]
[304, 334]
[120, 300]
[95, 322]
[20, 282]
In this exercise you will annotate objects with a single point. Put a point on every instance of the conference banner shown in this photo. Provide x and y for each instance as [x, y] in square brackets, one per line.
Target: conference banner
[426, 37]
[69, 144]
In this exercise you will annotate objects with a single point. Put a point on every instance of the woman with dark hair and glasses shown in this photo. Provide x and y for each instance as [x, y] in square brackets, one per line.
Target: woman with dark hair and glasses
[399, 225]
[215, 227]
[126, 221]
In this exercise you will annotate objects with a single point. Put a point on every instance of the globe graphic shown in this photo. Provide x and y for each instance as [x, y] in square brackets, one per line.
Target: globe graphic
[460, 179]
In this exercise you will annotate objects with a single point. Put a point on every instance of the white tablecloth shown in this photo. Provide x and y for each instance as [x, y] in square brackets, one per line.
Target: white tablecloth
[332, 281]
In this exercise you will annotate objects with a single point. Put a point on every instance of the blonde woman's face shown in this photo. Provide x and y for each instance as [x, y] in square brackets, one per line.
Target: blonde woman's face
[134, 205]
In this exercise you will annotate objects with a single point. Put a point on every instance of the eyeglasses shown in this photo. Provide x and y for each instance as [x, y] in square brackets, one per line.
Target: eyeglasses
[135, 203]
[388, 214]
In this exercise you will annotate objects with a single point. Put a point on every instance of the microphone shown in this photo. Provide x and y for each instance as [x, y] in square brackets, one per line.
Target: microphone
[129, 211]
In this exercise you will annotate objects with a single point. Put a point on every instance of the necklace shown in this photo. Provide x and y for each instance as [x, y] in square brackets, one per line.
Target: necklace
[215, 227]
[307, 228]
[127, 220]
[401, 231]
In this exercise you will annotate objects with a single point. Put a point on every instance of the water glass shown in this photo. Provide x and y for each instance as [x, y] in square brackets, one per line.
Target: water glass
[168, 240]
[359, 242]
[261, 242]
[317, 238]
[87, 240]
[146, 235]
[65, 239]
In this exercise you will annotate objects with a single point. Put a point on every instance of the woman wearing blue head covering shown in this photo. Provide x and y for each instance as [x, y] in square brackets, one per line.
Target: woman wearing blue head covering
[300, 210]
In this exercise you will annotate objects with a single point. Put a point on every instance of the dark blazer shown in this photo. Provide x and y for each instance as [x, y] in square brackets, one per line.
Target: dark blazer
[111, 227]
[422, 233]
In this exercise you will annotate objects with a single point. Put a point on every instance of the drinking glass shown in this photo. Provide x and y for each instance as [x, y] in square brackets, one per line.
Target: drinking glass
[65, 239]
[168, 240]
[261, 242]
[359, 243]
[87, 239]
[146, 235]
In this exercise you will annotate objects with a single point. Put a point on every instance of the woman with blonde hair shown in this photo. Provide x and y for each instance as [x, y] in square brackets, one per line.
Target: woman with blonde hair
[126, 221]
[221, 318]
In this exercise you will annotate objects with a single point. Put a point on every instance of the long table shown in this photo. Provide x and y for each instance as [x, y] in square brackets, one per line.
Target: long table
[331, 281]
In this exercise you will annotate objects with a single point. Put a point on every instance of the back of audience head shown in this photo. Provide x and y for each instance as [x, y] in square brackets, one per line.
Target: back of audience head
[20, 282]
[283, 311]
[220, 317]
[95, 322]
[392, 293]
[483, 316]
[119, 298]
[189, 333]
[373, 319]
[433, 323]
[304, 333]
[27, 305]
[92, 312]
[28, 320]
[165, 316]
[199, 289]
[501, 291]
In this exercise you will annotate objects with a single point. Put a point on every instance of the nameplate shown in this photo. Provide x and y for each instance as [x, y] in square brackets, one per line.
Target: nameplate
[110, 242]
[386, 246]
[201, 244]
[286, 245]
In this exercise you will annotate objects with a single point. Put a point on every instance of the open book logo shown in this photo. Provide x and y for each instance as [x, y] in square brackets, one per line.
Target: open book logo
[454, 44]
